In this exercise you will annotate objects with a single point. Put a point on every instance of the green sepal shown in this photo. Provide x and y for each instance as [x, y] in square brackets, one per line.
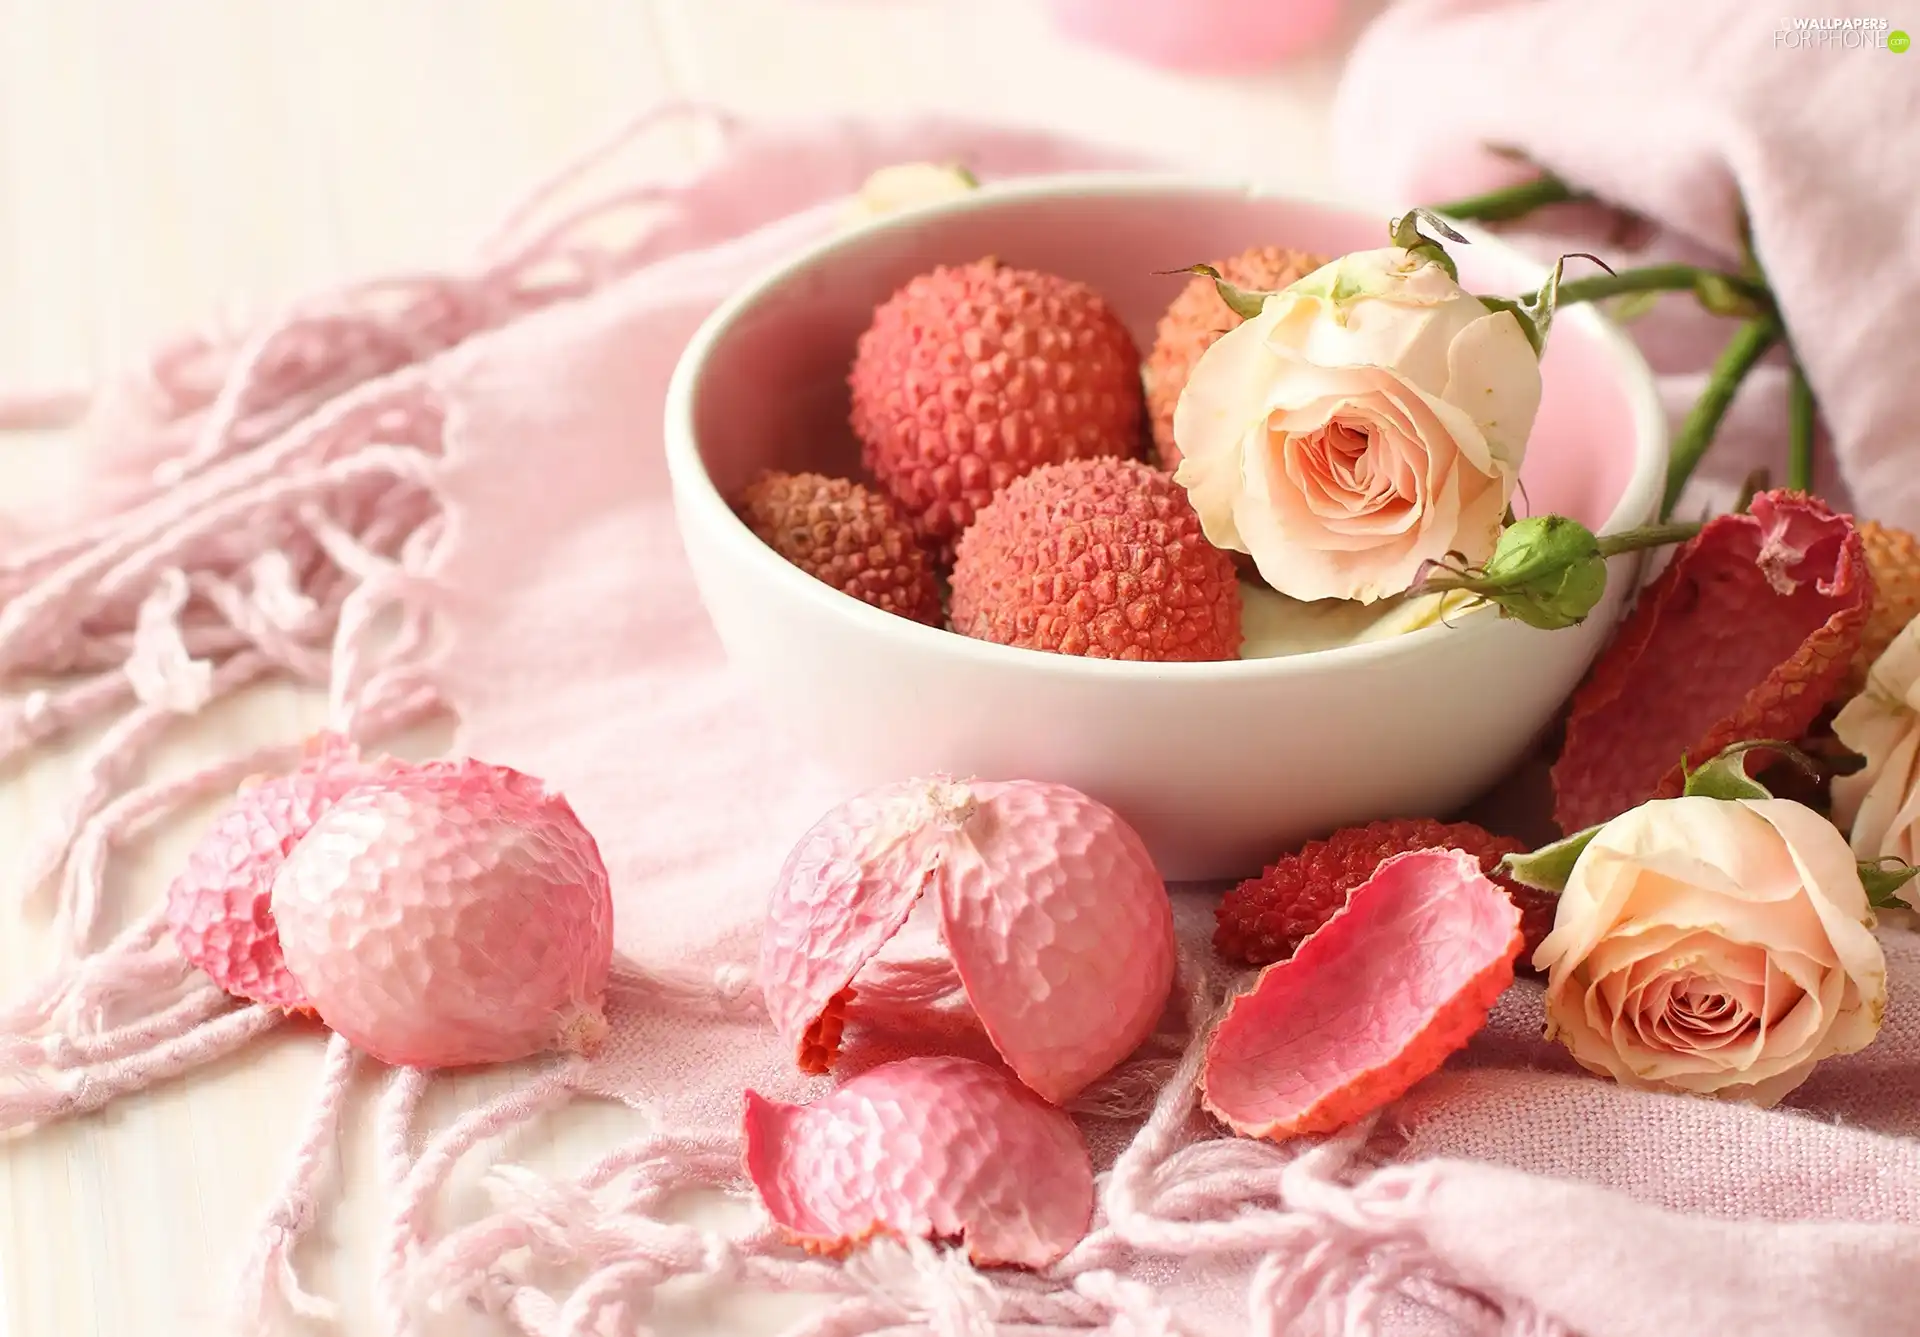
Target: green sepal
[1527, 327]
[1725, 777]
[1883, 884]
[1243, 302]
[1550, 867]
[1405, 233]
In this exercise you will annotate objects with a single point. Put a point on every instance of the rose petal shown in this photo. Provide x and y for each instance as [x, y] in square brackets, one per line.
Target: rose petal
[847, 887]
[1048, 941]
[1879, 805]
[1494, 375]
[938, 1148]
[1832, 882]
[1392, 984]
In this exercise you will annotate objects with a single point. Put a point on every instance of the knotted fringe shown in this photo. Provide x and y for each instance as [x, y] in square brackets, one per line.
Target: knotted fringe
[284, 528]
[1324, 1240]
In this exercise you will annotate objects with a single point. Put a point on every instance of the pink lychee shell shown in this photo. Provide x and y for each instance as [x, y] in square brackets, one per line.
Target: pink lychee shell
[1059, 926]
[1374, 1001]
[940, 1148]
[450, 914]
[218, 907]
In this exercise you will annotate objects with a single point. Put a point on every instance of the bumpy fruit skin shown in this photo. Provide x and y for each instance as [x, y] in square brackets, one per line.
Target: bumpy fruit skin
[1747, 634]
[1395, 982]
[1893, 556]
[218, 908]
[973, 375]
[936, 1148]
[450, 914]
[1103, 558]
[846, 535]
[1266, 918]
[1057, 922]
[1197, 317]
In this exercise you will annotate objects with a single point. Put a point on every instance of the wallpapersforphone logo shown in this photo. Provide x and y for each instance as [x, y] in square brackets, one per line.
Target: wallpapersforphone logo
[1840, 34]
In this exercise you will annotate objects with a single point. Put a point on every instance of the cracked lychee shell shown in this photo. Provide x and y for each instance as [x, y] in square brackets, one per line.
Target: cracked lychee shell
[1196, 318]
[218, 908]
[973, 375]
[1058, 925]
[933, 1148]
[846, 535]
[450, 914]
[1378, 998]
[1102, 558]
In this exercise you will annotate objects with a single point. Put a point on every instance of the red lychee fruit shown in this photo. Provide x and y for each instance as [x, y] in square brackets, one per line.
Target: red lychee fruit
[1266, 918]
[847, 535]
[1197, 317]
[1103, 558]
[973, 375]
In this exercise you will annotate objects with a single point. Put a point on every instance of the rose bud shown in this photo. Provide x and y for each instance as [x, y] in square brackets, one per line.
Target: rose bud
[1547, 570]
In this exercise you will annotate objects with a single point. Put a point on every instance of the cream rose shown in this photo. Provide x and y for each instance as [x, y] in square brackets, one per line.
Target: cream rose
[1715, 946]
[1879, 804]
[1371, 418]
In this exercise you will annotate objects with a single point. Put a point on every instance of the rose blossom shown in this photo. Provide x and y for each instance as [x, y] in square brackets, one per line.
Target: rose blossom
[1880, 803]
[1371, 418]
[1716, 946]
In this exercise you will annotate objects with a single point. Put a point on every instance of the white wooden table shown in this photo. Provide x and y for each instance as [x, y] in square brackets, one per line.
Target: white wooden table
[160, 160]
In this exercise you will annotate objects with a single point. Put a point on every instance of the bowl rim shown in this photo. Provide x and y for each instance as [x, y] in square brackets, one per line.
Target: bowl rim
[698, 501]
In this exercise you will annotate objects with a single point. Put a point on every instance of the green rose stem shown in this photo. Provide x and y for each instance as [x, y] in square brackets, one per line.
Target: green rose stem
[1720, 292]
[1799, 431]
[1747, 346]
[1497, 206]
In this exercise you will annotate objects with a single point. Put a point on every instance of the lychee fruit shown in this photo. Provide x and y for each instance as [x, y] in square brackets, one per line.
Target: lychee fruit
[450, 914]
[847, 535]
[1893, 556]
[1197, 317]
[1056, 922]
[1266, 918]
[973, 375]
[1103, 558]
[218, 907]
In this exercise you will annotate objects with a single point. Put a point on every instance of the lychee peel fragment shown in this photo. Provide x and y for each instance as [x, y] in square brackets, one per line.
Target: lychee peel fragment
[218, 909]
[926, 1148]
[1057, 922]
[1747, 634]
[1374, 1001]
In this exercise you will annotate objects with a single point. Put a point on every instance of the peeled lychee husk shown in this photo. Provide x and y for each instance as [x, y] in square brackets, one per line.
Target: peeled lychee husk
[1103, 558]
[450, 914]
[846, 535]
[218, 907]
[1197, 317]
[973, 375]
[939, 1148]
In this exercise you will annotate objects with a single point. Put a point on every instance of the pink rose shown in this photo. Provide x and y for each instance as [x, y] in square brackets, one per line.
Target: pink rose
[1716, 946]
[1880, 803]
[1371, 418]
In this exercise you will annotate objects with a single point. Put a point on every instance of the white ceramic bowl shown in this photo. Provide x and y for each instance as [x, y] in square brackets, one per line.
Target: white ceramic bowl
[1220, 766]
